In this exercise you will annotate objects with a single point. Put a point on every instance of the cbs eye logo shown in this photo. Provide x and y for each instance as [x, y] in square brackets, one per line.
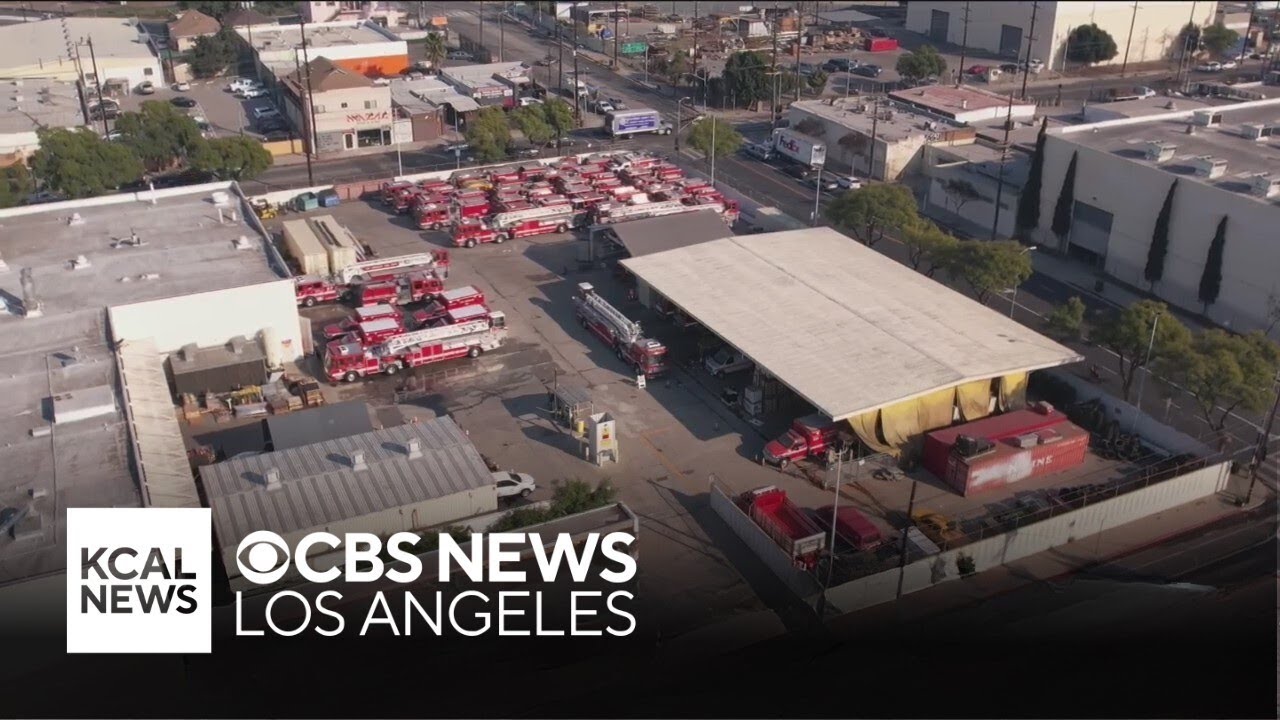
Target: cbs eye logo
[263, 557]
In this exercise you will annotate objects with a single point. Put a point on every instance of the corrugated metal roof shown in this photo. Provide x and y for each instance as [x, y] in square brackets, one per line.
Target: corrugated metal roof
[654, 235]
[319, 485]
[159, 452]
[328, 422]
[848, 329]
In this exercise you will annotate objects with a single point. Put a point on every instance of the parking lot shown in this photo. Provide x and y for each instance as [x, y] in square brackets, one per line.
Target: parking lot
[226, 114]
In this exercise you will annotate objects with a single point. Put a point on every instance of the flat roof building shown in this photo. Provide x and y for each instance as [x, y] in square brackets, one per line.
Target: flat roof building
[403, 478]
[490, 84]
[1225, 161]
[363, 47]
[32, 104]
[351, 111]
[963, 104]
[58, 50]
[856, 334]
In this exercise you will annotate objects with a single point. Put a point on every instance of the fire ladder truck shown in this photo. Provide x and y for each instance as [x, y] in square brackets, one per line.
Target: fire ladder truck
[537, 220]
[622, 213]
[646, 355]
[393, 266]
[349, 362]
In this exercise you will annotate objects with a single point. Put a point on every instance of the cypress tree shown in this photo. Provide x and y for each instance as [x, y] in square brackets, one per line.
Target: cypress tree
[1066, 201]
[1028, 218]
[1211, 280]
[1154, 271]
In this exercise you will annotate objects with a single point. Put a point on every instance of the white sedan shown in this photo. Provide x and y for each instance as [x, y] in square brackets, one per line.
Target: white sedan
[511, 484]
[1209, 67]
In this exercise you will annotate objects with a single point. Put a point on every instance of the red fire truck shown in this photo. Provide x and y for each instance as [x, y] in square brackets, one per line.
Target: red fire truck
[390, 189]
[537, 221]
[311, 290]
[646, 355]
[432, 216]
[473, 209]
[374, 332]
[350, 361]
[470, 234]
[336, 330]
[446, 301]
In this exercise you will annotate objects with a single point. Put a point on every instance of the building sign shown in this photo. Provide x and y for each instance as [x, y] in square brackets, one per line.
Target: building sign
[490, 92]
[369, 117]
[633, 48]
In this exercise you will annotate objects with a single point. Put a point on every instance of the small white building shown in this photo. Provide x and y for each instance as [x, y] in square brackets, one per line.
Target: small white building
[32, 104]
[351, 111]
[964, 105]
[58, 49]
[1004, 27]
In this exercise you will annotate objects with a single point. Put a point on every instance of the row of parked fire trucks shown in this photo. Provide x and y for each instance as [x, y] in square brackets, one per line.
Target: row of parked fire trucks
[527, 200]
[392, 281]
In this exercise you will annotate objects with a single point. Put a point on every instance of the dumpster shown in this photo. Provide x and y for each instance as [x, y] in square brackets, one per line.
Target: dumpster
[305, 202]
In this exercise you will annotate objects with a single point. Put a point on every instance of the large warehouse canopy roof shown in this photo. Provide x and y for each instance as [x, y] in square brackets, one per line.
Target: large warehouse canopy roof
[847, 328]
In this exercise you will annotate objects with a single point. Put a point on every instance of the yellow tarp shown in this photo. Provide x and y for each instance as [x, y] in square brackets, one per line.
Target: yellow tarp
[864, 426]
[899, 423]
[936, 410]
[974, 399]
[1013, 391]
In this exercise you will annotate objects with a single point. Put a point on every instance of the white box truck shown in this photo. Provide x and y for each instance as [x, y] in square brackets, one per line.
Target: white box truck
[621, 123]
[802, 149]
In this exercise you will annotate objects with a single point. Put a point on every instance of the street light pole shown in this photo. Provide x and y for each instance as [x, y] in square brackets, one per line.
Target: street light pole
[713, 152]
[817, 196]
[1014, 302]
[1142, 381]
[1132, 21]
[1264, 440]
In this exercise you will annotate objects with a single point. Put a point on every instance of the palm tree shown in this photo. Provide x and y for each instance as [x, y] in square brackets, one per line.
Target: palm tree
[435, 50]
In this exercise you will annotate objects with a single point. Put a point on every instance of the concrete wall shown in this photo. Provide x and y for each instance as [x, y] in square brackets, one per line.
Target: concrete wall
[1155, 27]
[892, 160]
[1031, 539]
[800, 582]
[212, 318]
[976, 215]
[1133, 191]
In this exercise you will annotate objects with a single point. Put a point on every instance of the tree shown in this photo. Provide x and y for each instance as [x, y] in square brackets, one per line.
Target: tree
[435, 50]
[921, 63]
[727, 139]
[1028, 217]
[559, 116]
[233, 158]
[818, 81]
[746, 77]
[1090, 44]
[1189, 38]
[812, 127]
[928, 243]
[1128, 334]
[1273, 312]
[870, 211]
[79, 163]
[960, 191]
[1066, 202]
[1154, 271]
[161, 135]
[531, 120]
[1211, 278]
[16, 184]
[489, 135]
[1225, 372]
[1066, 322]
[1218, 38]
[990, 267]
[213, 53]
[214, 10]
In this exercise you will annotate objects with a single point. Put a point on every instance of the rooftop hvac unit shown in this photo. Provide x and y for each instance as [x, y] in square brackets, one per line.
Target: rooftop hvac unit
[1264, 185]
[1206, 118]
[1159, 152]
[1209, 167]
[1252, 131]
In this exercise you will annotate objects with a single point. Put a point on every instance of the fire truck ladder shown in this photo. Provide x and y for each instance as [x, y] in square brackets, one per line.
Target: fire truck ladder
[401, 343]
[503, 220]
[649, 210]
[623, 327]
[402, 262]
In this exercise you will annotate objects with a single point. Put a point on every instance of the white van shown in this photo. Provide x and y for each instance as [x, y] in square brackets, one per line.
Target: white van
[726, 360]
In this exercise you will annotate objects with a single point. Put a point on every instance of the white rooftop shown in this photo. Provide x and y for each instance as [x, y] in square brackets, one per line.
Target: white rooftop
[30, 104]
[319, 35]
[845, 327]
[481, 75]
[27, 45]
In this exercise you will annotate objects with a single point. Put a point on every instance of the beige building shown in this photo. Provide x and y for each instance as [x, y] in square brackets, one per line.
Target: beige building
[1004, 27]
[189, 26]
[350, 110]
[58, 49]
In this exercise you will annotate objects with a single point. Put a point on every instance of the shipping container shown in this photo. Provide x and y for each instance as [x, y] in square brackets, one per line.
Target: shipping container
[938, 444]
[338, 242]
[1043, 452]
[306, 248]
[881, 44]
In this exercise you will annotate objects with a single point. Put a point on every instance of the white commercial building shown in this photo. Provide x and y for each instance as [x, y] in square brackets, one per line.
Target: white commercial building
[1223, 159]
[350, 110]
[33, 104]
[361, 46]
[59, 50]
[1004, 27]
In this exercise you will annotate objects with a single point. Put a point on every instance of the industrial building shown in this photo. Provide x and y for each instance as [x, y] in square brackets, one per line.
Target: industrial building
[431, 106]
[964, 105]
[857, 335]
[1143, 32]
[403, 478]
[33, 104]
[347, 110]
[95, 294]
[362, 47]
[58, 49]
[492, 84]
[652, 235]
[1223, 159]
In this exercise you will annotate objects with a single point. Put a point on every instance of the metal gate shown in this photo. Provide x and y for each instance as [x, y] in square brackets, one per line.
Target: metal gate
[1010, 41]
[939, 24]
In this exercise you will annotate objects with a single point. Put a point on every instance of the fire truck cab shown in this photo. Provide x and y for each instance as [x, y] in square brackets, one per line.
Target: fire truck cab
[470, 234]
[312, 290]
[447, 301]
[432, 216]
[336, 330]
[378, 293]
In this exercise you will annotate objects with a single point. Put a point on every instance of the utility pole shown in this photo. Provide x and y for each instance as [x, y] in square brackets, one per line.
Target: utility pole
[773, 105]
[799, 35]
[695, 52]
[502, 35]
[871, 157]
[615, 33]
[1132, 21]
[1185, 57]
[1004, 155]
[964, 46]
[559, 63]
[577, 96]
[1264, 440]
[1031, 38]
[480, 13]
[98, 82]
[311, 106]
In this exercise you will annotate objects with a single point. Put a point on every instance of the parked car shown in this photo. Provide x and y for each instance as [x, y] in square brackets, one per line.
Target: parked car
[272, 123]
[544, 62]
[822, 180]
[849, 182]
[182, 86]
[1229, 64]
[978, 69]
[1211, 66]
[726, 360]
[183, 101]
[459, 55]
[146, 87]
[759, 151]
[617, 103]
[511, 484]
[527, 101]
[264, 112]
[868, 70]
[1035, 66]
[836, 65]
[799, 172]
[240, 84]
[1142, 91]
[1011, 67]
[564, 142]
[528, 152]
[252, 93]
[604, 107]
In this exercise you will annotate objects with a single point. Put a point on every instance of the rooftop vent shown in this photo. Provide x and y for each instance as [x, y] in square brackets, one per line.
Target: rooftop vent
[75, 219]
[357, 461]
[1206, 118]
[236, 345]
[1264, 185]
[271, 477]
[414, 448]
[242, 243]
[221, 198]
[188, 352]
[964, 104]
[80, 263]
[1209, 167]
[1159, 152]
[1253, 131]
[83, 404]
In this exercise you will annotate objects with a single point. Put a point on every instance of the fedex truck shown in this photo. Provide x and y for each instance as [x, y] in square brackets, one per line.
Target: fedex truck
[620, 123]
[800, 148]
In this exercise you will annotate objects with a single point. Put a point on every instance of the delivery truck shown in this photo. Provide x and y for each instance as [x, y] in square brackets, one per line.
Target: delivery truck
[802, 149]
[621, 123]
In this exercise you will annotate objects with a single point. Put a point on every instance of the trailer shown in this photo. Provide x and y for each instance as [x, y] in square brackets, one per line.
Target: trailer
[625, 336]
[798, 147]
[350, 361]
[623, 123]
[305, 248]
[392, 267]
[792, 529]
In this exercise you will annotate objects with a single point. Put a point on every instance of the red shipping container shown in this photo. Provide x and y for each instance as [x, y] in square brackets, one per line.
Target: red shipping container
[881, 44]
[938, 444]
[1059, 448]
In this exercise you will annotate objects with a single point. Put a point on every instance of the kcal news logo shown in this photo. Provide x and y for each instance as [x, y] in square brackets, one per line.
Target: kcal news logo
[138, 580]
